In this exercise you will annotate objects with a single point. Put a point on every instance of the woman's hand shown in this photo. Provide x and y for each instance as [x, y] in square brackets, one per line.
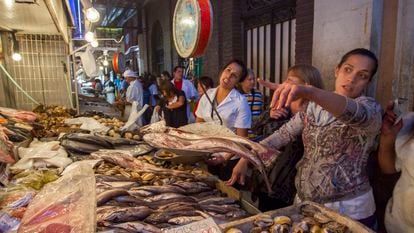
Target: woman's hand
[239, 172]
[285, 93]
[157, 108]
[389, 128]
[278, 113]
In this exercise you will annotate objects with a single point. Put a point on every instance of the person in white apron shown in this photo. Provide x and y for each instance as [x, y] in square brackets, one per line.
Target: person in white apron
[109, 90]
[133, 93]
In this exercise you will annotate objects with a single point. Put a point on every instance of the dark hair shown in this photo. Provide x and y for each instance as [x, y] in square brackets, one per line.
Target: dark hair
[241, 64]
[206, 81]
[169, 88]
[178, 67]
[362, 52]
[166, 73]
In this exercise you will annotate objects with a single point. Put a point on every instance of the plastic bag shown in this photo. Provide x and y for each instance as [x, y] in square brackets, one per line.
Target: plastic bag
[155, 117]
[66, 205]
[134, 119]
[88, 124]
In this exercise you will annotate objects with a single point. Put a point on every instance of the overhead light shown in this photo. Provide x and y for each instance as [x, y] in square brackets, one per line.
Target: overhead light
[101, 67]
[15, 48]
[17, 57]
[94, 43]
[92, 15]
[105, 62]
[89, 36]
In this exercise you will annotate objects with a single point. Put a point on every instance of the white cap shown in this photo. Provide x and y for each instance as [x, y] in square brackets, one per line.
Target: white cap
[130, 73]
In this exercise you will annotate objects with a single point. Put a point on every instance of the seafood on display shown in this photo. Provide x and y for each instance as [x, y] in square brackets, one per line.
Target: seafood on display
[211, 145]
[310, 220]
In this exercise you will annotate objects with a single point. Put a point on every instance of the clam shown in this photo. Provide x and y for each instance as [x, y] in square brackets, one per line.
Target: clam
[279, 220]
[148, 176]
[300, 227]
[279, 228]
[315, 229]
[234, 230]
[263, 221]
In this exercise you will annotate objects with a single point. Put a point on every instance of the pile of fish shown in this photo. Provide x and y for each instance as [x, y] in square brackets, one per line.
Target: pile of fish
[310, 220]
[133, 194]
[255, 153]
[83, 144]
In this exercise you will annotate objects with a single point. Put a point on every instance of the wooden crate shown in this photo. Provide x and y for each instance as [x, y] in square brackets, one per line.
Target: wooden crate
[294, 212]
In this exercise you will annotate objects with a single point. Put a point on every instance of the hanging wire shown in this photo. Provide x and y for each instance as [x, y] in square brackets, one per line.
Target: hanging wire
[17, 85]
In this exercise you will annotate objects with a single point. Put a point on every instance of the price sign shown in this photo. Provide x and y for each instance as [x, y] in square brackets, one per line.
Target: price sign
[204, 226]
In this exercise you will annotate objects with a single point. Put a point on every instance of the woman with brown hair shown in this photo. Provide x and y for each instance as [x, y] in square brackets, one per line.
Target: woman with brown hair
[173, 105]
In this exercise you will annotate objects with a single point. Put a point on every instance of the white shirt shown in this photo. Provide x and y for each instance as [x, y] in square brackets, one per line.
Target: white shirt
[233, 110]
[189, 89]
[135, 93]
[154, 91]
[399, 214]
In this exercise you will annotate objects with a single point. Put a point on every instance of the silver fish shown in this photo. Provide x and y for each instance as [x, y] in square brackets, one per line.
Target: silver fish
[105, 196]
[182, 220]
[121, 214]
[218, 201]
[162, 189]
[134, 227]
[164, 196]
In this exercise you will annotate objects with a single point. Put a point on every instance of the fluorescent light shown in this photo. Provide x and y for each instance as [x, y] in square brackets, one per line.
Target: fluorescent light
[101, 67]
[17, 57]
[94, 43]
[92, 15]
[105, 62]
[89, 36]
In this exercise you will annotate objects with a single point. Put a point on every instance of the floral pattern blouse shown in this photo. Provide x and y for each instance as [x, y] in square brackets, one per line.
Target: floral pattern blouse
[333, 167]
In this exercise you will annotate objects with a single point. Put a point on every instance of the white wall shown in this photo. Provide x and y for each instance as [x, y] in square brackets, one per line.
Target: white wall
[340, 26]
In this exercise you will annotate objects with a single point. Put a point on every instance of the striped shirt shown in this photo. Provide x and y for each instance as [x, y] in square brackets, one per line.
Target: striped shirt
[255, 101]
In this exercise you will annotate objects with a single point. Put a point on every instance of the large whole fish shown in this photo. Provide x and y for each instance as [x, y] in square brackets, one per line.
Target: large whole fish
[267, 155]
[121, 214]
[211, 145]
[134, 227]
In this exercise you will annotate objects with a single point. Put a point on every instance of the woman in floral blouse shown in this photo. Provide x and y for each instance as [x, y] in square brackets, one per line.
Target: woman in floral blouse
[338, 131]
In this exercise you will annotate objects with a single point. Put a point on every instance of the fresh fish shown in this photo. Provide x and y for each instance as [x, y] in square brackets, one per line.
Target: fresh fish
[136, 150]
[162, 189]
[163, 217]
[106, 178]
[105, 196]
[126, 160]
[121, 214]
[214, 145]
[220, 209]
[182, 220]
[132, 200]
[120, 184]
[157, 127]
[134, 227]
[162, 140]
[139, 193]
[165, 196]
[192, 187]
[183, 206]
[156, 204]
[206, 195]
[89, 139]
[80, 147]
[217, 201]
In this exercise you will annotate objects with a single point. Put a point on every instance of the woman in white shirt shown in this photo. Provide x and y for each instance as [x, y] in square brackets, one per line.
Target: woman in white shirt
[231, 106]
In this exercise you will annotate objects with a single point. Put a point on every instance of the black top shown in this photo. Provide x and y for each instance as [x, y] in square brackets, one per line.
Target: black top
[175, 117]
